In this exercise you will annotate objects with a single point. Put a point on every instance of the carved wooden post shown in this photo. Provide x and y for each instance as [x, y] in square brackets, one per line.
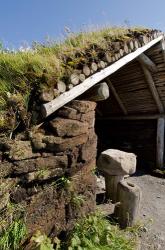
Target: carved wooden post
[160, 143]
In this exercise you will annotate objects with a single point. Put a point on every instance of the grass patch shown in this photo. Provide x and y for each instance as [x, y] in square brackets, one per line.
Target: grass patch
[13, 235]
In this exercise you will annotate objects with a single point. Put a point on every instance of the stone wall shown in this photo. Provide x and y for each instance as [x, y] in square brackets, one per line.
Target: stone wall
[47, 173]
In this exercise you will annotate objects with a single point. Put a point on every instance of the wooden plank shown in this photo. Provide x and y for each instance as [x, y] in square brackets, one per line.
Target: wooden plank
[153, 89]
[50, 107]
[133, 117]
[163, 48]
[160, 143]
[117, 97]
[147, 62]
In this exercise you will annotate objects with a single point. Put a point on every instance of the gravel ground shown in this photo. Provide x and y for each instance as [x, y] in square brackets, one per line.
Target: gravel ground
[152, 211]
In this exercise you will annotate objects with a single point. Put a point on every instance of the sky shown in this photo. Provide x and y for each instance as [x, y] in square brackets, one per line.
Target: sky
[25, 21]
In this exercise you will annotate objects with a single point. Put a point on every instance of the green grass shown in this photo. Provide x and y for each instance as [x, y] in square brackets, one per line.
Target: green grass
[22, 73]
[13, 235]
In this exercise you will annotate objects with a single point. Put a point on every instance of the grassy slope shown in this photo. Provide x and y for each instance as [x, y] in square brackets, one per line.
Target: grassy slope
[21, 72]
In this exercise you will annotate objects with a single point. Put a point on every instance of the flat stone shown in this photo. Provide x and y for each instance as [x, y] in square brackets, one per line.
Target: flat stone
[4, 199]
[67, 127]
[6, 169]
[6, 185]
[58, 144]
[73, 114]
[88, 150]
[20, 150]
[43, 175]
[116, 162]
[82, 106]
[41, 163]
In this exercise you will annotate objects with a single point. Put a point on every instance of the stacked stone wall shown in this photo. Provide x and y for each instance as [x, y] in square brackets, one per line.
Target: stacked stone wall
[48, 171]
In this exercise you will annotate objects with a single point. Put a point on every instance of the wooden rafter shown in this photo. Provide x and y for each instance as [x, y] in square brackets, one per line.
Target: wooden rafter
[133, 117]
[147, 62]
[117, 97]
[160, 143]
[153, 89]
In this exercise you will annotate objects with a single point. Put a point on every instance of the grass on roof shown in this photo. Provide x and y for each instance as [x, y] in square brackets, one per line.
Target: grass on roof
[21, 72]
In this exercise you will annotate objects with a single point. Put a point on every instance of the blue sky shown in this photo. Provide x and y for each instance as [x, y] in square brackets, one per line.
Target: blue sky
[24, 21]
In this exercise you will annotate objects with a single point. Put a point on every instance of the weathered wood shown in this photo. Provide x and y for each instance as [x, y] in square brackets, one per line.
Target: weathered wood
[74, 79]
[163, 48]
[147, 62]
[133, 117]
[61, 86]
[66, 97]
[99, 92]
[153, 89]
[86, 70]
[82, 77]
[94, 67]
[121, 105]
[160, 143]
[129, 195]
[101, 64]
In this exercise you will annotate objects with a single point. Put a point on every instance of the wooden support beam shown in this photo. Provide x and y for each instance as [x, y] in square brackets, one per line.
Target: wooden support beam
[147, 62]
[117, 97]
[99, 92]
[132, 117]
[153, 89]
[163, 48]
[50, 107]
[160, 143]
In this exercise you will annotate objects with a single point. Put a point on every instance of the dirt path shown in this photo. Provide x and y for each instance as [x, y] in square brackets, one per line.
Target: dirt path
[152, 209]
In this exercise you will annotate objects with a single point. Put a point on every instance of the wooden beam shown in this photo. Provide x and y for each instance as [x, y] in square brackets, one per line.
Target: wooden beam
[99, 92]
[160, 143]
[163, 48]
[147, 62]
[133, 117]
[117, 97]
[153, 89]
[50, 107]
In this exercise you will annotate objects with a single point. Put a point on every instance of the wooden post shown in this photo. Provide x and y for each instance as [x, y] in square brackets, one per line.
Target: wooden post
[160, 143]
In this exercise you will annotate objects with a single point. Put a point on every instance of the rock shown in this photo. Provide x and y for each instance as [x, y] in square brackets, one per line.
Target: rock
[5, 169]
[116, 162]
[6, 185]
[58, 144]
[37, 141]
[20, 150]
[88, 150]
[67, 127]
[43, 174]
[82, 106]
[71, 113]
[4, 199]
[52, 162]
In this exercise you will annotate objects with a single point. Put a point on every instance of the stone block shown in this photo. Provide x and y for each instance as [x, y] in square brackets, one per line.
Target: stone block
[73, 114]
[82, 106]
[42, 175]
[4, 199]
[116, 162]
[88, 150]
[20, 150]
[6, 169]
[68, 128]
[41, 163]
[58, 144]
